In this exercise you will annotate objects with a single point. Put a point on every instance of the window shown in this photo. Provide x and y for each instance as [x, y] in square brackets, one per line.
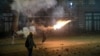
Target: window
[92, 21]
[91, 2]
[97, 21]
[88, 21]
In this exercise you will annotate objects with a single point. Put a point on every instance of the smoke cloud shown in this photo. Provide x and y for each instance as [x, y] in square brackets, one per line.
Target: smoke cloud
[44, 12]
[30, 7]
[58, 12]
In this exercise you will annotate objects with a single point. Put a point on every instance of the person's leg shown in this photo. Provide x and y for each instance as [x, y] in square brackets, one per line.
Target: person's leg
[44, 38]
[30, 51]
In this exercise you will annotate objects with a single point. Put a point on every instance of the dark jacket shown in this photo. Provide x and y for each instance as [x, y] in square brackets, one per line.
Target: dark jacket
[29, 41]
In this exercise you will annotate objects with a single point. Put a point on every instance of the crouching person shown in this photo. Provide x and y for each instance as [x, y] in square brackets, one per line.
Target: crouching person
[29, 44]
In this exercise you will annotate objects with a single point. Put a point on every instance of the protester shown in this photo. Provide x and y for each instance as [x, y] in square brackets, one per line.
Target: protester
[29, 44]
[44, 37]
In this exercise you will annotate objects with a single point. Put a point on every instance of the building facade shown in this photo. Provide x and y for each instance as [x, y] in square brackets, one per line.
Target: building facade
[86, 14]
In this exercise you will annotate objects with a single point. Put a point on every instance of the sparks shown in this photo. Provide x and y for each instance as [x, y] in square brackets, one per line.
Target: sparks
[60, 24]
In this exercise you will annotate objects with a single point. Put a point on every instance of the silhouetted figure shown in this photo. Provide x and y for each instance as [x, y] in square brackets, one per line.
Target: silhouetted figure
[29, 44]
[44, 37]
[13, 33]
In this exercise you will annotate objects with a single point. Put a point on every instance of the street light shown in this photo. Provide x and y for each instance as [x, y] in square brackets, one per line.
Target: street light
[71, 4]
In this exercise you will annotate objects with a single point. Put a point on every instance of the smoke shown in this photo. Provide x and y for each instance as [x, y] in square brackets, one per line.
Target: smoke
[58, 12]
[37, 8]
[26, 30]
[30, 7]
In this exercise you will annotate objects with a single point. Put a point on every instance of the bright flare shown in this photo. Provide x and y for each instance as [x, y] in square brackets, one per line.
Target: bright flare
[60, 24]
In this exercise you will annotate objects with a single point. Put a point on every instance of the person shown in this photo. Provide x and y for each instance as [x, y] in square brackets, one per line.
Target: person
[30, 43]
[14, 34]
[44, 37]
